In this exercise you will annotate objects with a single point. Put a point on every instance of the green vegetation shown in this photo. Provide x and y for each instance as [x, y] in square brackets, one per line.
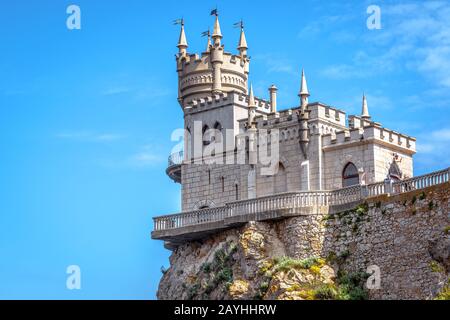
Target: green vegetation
[422, 196]
[445, 292]
[286, 263]
[351, 286]
[447, 230]
[436, 266]
[193, 290]
[219, 272]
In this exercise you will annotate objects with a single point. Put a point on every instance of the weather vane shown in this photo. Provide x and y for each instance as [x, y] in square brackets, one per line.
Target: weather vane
[178, 21]
[239, 24]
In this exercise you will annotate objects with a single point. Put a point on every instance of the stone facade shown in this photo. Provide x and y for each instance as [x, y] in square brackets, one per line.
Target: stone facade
[316, 141]
[405, 235]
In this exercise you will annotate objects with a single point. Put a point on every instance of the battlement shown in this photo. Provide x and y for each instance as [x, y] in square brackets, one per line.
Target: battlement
[224, 98]
[363, 130]
[196, 74]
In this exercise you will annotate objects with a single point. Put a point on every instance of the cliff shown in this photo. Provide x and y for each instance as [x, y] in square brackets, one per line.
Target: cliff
[405, 237]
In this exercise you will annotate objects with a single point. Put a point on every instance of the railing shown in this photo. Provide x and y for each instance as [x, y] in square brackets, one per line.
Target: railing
[421, 182]
[175, 159]
[282, 201]
[376, 189]
[292, 201]
[190, 218]
[345, 195]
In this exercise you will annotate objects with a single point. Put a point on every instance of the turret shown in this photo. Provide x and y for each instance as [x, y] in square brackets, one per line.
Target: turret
[251, 109]
[217, 34]
[242, 45]
[208, 43]
[365, 110]
[273, 98]
[217, 57]
[213, 72]
[251, 129]
[303, 94]
[303, 115]
[182, 42]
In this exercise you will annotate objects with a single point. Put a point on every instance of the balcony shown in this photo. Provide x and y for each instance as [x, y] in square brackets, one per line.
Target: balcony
[174, 166]
[186, 226]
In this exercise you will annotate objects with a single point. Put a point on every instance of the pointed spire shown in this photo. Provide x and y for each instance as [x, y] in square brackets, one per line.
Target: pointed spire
[251, 99]
[304, 93]
[365, 109]
[217, 34]
[208, 44]
[182, 42]
[303, 86]
[242, 40]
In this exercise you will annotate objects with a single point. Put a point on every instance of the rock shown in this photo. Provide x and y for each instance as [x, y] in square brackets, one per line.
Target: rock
[239, 289]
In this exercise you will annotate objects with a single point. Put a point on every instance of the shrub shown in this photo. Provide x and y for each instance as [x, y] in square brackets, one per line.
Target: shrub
[286, 263]
[447, 230]
[326, 292]
[352, 285]
[436, 266]
[445, 293]
[206, 267]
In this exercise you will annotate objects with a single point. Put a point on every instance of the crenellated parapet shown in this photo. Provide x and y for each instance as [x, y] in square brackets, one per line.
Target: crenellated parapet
[370, 132]
[196, 76]
[214, 71]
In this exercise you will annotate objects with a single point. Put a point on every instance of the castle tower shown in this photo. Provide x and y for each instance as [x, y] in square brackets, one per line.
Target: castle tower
[213, 85]
[213, 71]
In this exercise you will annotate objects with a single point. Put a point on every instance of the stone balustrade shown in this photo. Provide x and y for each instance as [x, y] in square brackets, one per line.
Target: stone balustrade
[284, 204]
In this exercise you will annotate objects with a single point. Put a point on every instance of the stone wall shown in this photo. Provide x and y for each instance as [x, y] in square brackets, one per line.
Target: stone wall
[406, 236]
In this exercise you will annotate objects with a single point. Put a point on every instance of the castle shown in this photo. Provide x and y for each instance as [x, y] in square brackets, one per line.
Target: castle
[318, 147]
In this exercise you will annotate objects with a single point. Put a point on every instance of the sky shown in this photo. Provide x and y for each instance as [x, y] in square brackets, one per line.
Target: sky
[86, 117]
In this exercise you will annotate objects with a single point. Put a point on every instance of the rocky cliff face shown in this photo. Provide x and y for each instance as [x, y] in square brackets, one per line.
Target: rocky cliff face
[324, 256]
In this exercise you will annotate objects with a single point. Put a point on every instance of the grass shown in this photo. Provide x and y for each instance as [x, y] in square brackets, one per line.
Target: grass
[286, 263]
[445, 293]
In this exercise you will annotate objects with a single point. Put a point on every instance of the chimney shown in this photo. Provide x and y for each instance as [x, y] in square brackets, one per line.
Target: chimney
[273, 98]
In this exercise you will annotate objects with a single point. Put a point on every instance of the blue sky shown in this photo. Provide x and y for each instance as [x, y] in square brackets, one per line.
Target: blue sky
[86, 117]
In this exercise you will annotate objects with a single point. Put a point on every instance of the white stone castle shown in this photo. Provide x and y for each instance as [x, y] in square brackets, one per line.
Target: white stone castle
[320, 148]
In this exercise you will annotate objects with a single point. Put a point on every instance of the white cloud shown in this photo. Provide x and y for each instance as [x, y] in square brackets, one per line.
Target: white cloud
[88, 136]
[146, 157]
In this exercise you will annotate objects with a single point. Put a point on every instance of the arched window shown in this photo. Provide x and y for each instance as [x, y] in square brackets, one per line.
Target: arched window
[350, 175]
[222, 181]
[205, 135]
[217, 132]
[236, 190]
[188, 146]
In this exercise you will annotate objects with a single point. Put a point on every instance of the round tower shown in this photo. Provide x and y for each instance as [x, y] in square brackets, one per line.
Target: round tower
[213, 71]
